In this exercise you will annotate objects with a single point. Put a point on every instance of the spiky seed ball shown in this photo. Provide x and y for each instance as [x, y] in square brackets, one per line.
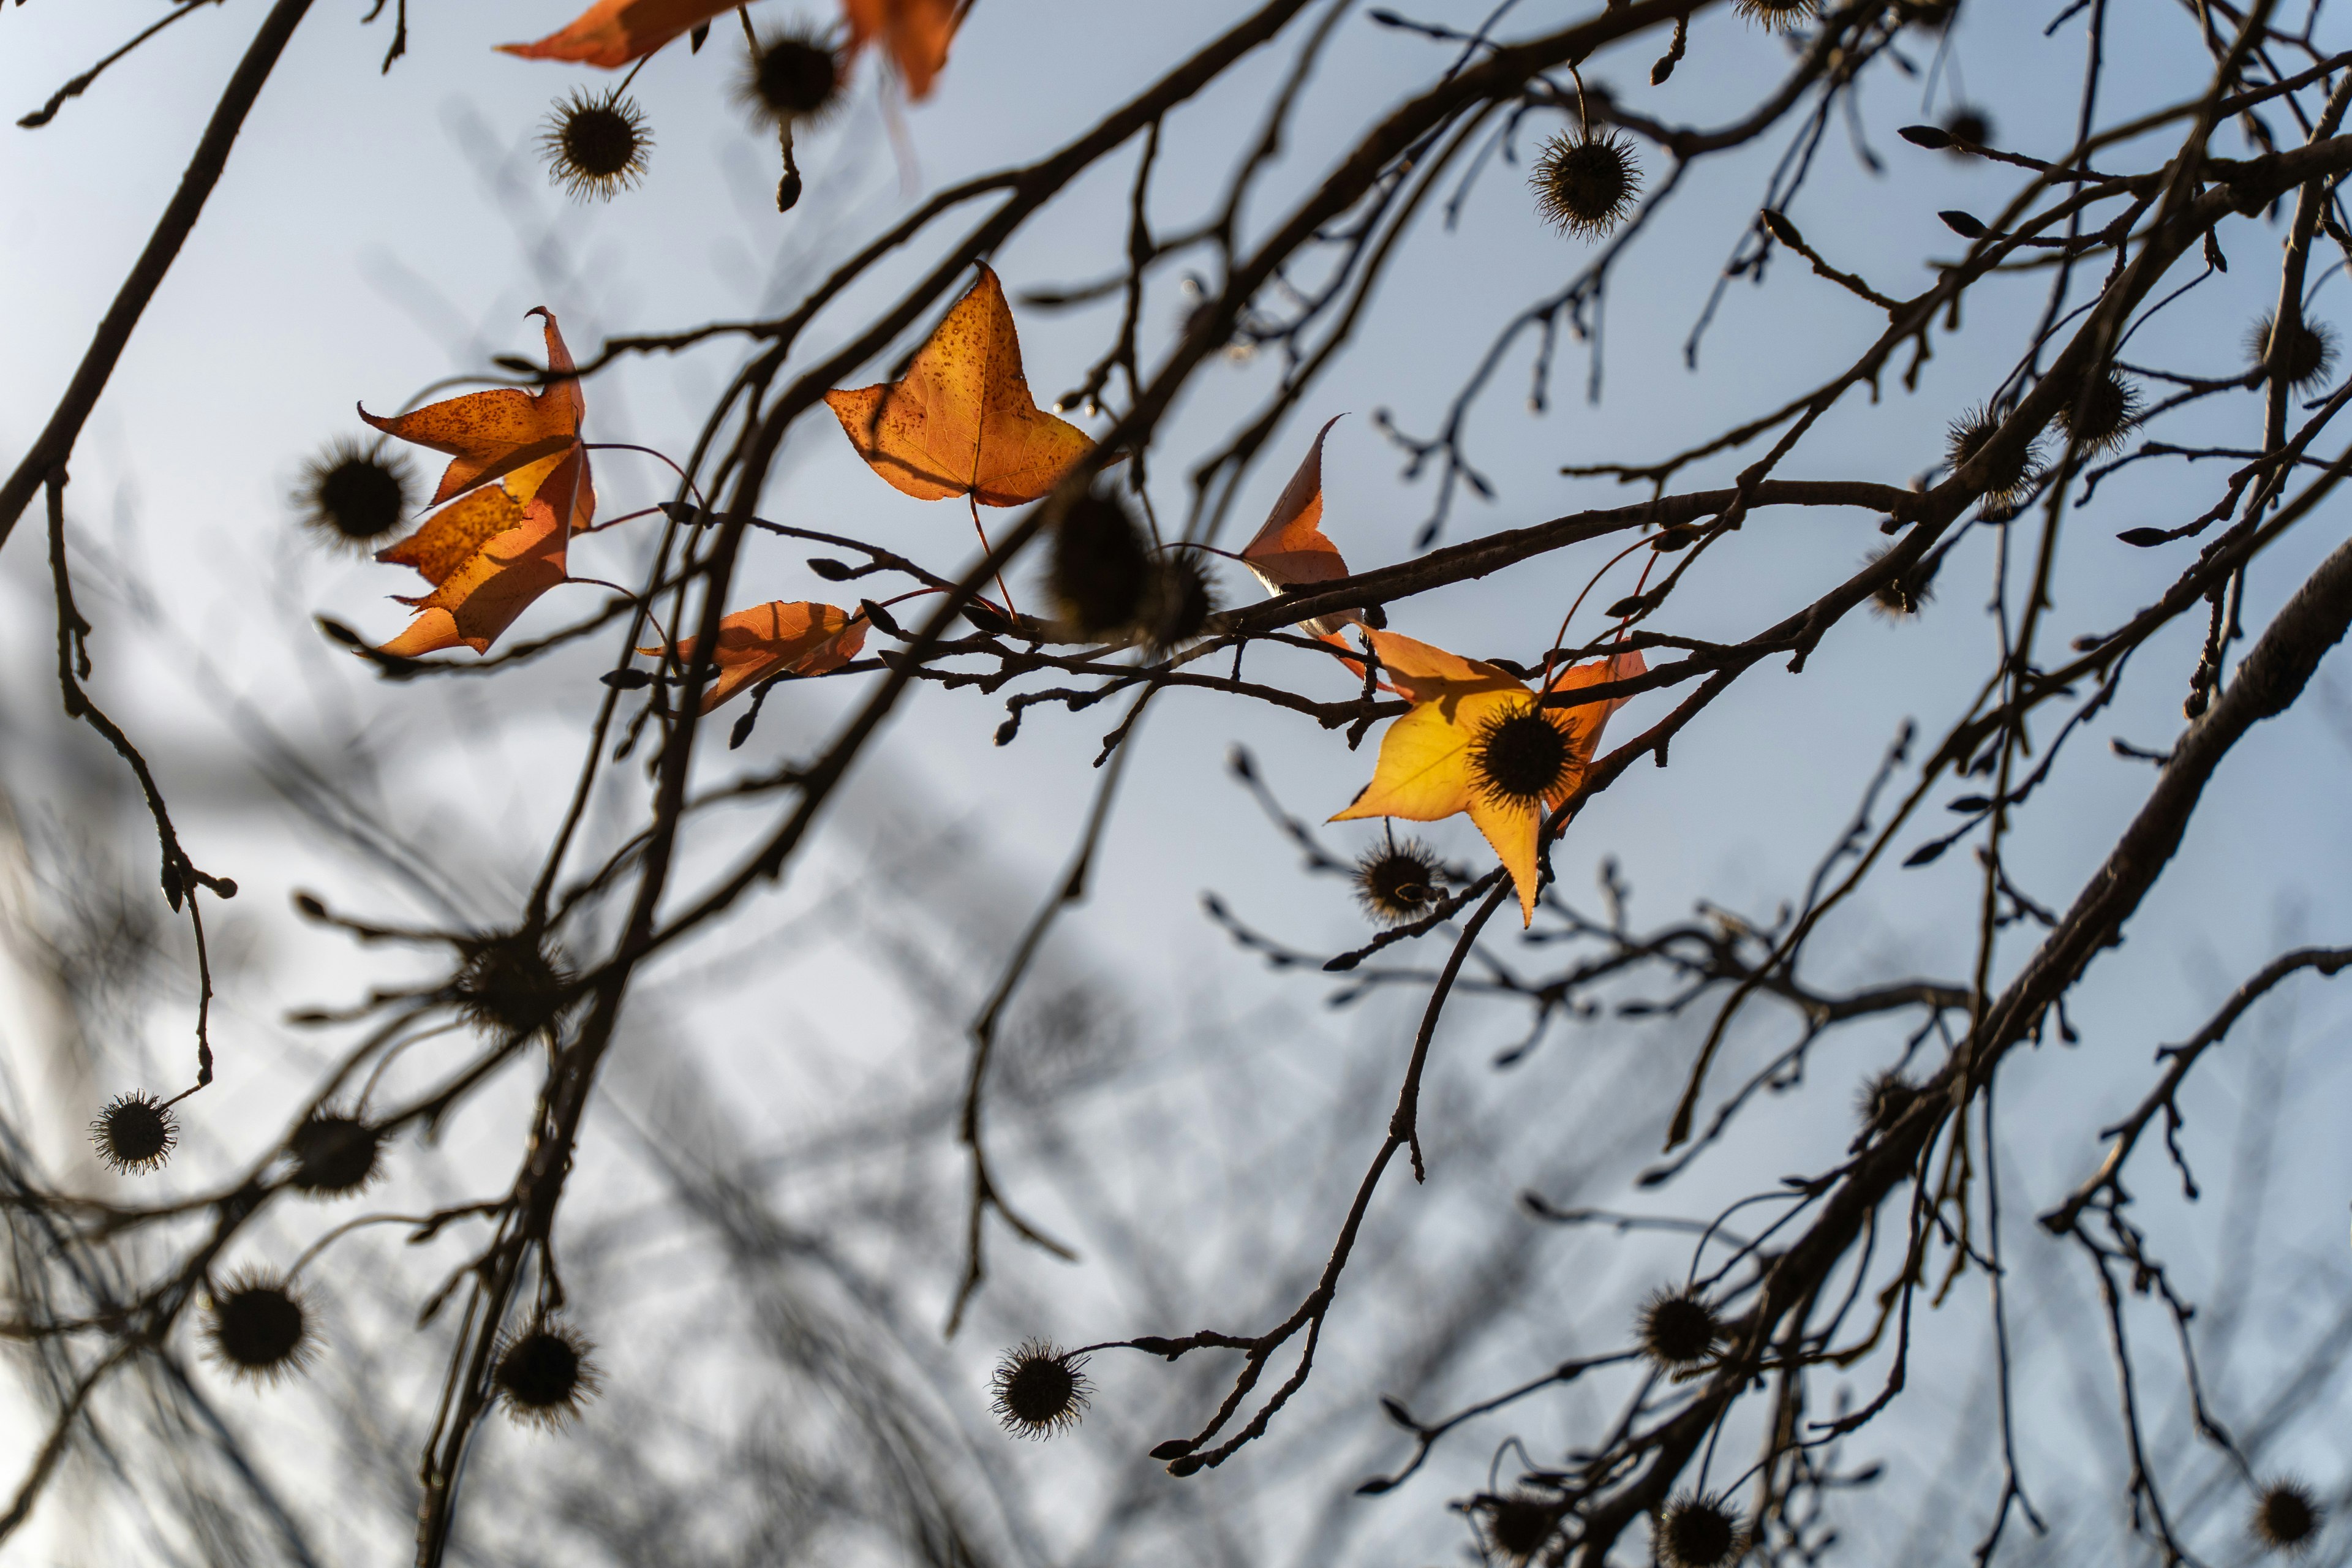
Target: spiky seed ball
[512, 983]
[1700, 1532]
[1517, 1527]
[2010, 479]
[1398, 882]
[1777, 15]
[545, 1374]
[1101, 567]
[353, 495]
[1585, 183]
[1040, 1389]
[1882, 1100]
[792, 77]
[1969, 123]
[333, 1154]
[2287, 1517]
[2307, 354]
[1678, 1329]
[135, 1134]
[258, 1327]
[2102, 418]
[595, 144]
[1520, 756]
[1906, 593]
[1177, 604]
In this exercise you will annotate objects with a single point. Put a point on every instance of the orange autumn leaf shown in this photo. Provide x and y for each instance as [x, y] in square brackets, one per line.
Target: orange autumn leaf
[775, 638]
[915, 32]
[1292, 550]
[612, 32]
[1474, 741]
[489, 435]
[962, 422]
[501, 544]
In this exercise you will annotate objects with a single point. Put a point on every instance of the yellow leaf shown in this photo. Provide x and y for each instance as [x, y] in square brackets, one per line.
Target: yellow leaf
[1476, 741]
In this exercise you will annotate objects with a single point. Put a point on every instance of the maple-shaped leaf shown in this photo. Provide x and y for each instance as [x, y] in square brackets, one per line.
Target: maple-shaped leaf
[914, 33]
[489, 434]
[962, 422]
[768, 639]
[612, 32]
[1292, 550]
[1477, 741]
[521, 475]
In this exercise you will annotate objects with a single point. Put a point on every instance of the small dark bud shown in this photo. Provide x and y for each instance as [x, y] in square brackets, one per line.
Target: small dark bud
[1680, 536]
[515, 364]
[988, 618]
[1152, 1344]
[2144, 537]
[880, 619]
[1174, 1449]
[308, 906]
[788, 191]
[1399, 1413]
[1783, 230]
[1962, 224]
[1631, 604]
[1188, 1465]
[832, 571]
[1927, 853]
[1934, 138]
[697, 39]
[626, 679]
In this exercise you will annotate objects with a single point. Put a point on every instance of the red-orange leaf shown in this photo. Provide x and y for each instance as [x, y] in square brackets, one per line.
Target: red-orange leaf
[769, 639]
[1292, 551]
[491, 433]
[962, 421]
[479, 598]
[612, 32]
[503, 543]
[915, 32]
